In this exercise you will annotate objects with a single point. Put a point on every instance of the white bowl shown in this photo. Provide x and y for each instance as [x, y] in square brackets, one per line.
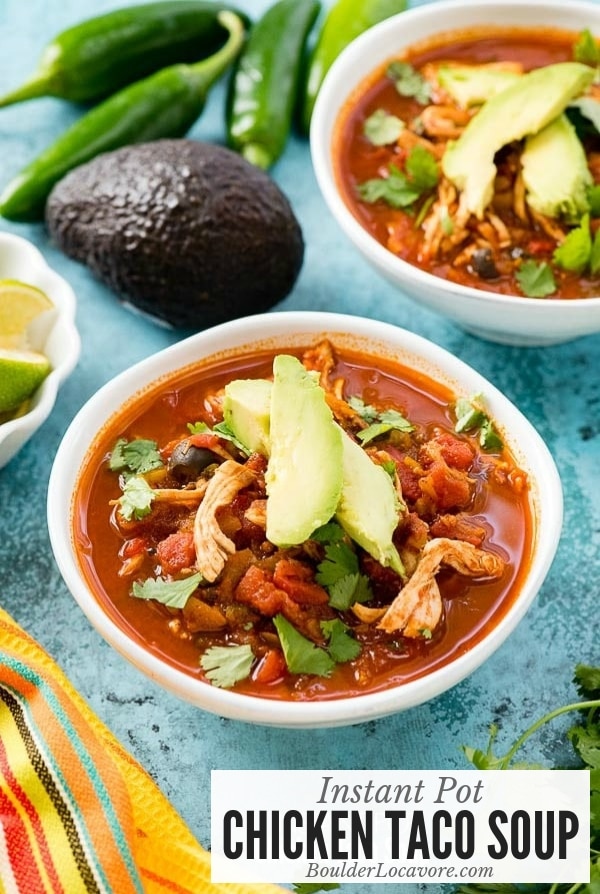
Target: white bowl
[500, 318]
[59, 339]
[298, 328]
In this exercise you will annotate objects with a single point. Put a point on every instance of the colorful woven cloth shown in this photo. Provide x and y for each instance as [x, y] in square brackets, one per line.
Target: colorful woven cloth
[77, 813]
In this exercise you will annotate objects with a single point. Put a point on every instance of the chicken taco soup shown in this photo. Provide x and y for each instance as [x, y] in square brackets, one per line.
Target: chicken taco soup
[303, 524]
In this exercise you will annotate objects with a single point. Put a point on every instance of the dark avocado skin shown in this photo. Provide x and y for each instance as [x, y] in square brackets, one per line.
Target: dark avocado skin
[187, 232]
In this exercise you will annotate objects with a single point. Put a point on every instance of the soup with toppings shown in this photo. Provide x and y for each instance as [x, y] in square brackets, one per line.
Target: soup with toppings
[436, 159]
[425, 549]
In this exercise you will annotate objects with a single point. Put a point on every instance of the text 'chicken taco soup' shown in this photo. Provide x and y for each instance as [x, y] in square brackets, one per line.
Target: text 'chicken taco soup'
[303, 524]
[476, 157]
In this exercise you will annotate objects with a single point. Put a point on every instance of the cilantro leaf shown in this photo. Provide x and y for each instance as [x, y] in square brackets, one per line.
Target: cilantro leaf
[381, 128]
[586, 50]
[301, 655]
[373, 431]
[348, 589]
[174, 593]
[390, 467]
[330, 531]
[224, 666]
[423, 168]
[339, 561]
[140, 455]
[395, 189]
[365, 411]
[197, 428]
[586, 742]
[575, 250]
[341, 644]
[396, 420]
[409, 82]
[223, 431]
[536, 280]
[136, 499]
[470, 417]
[587, 680]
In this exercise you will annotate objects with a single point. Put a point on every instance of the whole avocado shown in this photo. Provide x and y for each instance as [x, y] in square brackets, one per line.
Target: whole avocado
[188, 232]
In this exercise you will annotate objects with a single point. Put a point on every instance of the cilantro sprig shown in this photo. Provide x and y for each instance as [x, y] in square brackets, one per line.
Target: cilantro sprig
[579, 252]
[536, 280]
[585, 738]
[471, 417]
[222, 430]
[401, 189]
[174, 593]
[225, 666]
[381, 128]
[135, 457]
[304, 657]
[586, 50]
[136, 499]
[338, 572]
[380, 423]
[408, 81]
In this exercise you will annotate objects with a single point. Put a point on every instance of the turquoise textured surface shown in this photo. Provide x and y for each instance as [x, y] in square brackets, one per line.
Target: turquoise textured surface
[558, 388]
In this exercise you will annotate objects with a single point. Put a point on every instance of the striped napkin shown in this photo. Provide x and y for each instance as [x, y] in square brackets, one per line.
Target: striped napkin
[77, 813]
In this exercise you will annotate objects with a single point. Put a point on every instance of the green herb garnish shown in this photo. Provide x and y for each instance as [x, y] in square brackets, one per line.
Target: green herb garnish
[341, 644]
[135, 457]
[585, 738]
[301, 655]
[381, 128]
[536, 280]
[409, 82]
[365, 411]
[314, 887]
[174, 593]
[399, 189]
[575, 251]
[339, 572]
[136, 499]
[594, 198]
[470, 417]
[221, 430]
[224, 666]
[586, 50]
[380, 422]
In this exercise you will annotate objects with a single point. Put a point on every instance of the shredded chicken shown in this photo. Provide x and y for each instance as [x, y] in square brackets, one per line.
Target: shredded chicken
[444, 121]
[418, 605]
[257, 513]
[185, 495]
[211, 544]
[320, 359]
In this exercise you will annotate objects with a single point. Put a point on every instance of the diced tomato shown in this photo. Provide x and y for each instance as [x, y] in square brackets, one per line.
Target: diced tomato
[409, 479]
[257, 590]
[449, 488]
[176, 552]
[540, 246]
[133, 547]
[458, 454]
[204, 439]
[296, 579]
[257, 462]
[271, 667]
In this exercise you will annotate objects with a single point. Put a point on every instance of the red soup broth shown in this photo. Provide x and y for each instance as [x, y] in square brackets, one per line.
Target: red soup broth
[357, 160]
[162, 412]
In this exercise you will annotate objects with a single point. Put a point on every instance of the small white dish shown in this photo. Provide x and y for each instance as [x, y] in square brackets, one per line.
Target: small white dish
[500, 318]
[58, 339]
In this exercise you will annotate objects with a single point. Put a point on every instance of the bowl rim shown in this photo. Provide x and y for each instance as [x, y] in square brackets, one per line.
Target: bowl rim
[328, 107]
[245, 332]
[15, 432]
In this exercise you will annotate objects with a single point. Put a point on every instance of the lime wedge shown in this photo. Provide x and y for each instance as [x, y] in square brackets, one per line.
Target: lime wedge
[20, 305]
[21, 372]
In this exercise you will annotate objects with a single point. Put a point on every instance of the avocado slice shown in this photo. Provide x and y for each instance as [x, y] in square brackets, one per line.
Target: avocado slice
[555, 171]
[472, 85]
[247, 412]
[304, 475]
[369, 508]
[523, 108]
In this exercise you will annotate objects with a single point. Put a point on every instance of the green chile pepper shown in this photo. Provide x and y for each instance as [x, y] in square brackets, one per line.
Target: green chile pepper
[166, 104]
[346, 20]
[263, 90]
[95, 58]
